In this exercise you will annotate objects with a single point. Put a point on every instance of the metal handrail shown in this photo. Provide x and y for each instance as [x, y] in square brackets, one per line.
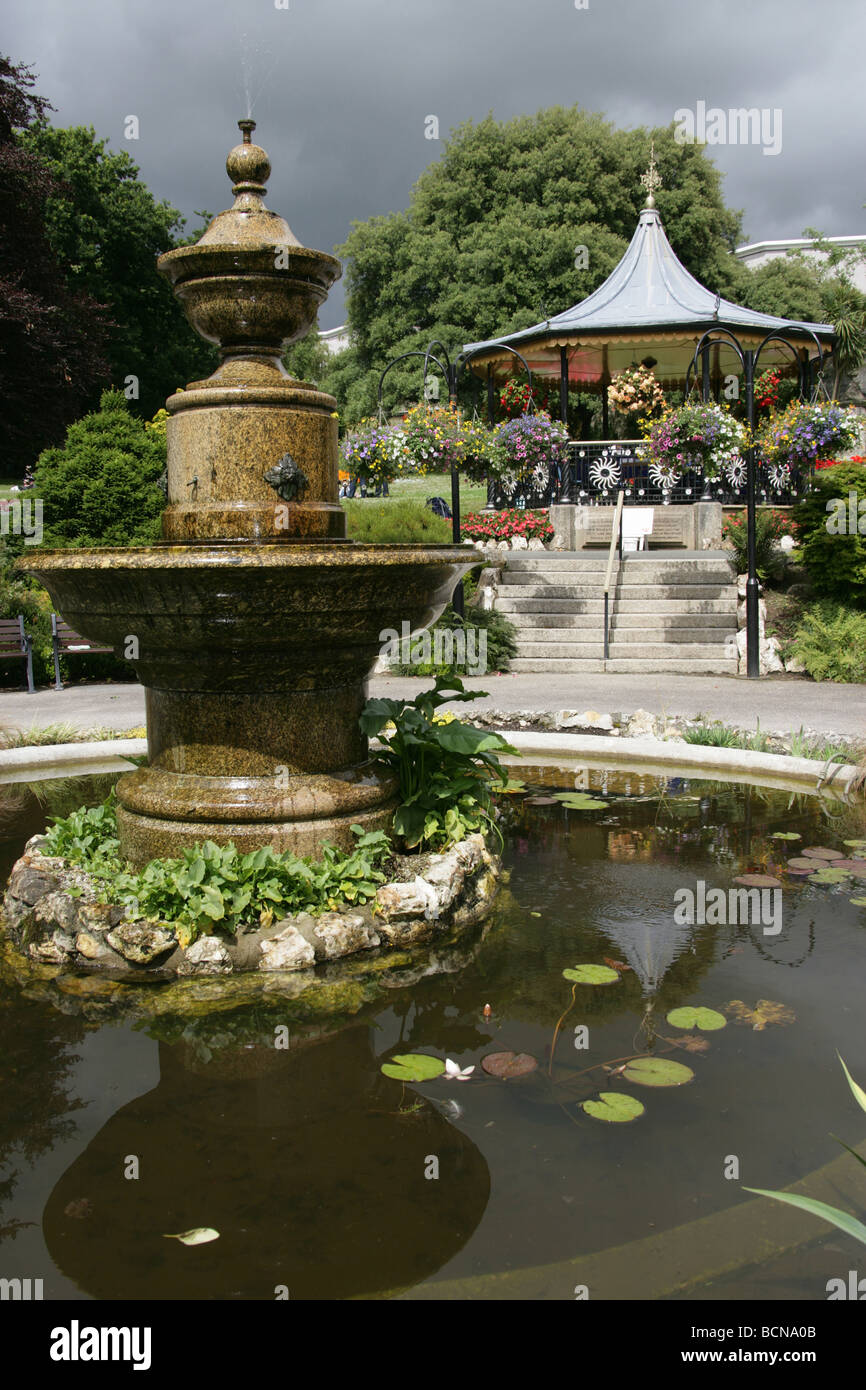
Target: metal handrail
[615, 544]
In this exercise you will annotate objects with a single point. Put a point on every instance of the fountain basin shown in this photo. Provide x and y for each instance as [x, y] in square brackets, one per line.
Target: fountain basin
[254, 660]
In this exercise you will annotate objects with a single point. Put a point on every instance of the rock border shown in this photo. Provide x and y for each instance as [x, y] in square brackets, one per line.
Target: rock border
[53, 917]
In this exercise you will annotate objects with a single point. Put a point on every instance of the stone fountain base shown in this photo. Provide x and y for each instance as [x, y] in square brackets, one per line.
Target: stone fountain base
[52, 917]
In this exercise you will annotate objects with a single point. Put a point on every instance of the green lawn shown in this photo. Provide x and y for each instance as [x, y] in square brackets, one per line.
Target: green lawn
[472, 495]
[6, 486]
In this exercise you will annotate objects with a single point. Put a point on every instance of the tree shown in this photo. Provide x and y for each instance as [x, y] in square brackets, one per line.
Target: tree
[51, 335]
[490, 241]
[101, 486]
[107, 229]
[309, 359]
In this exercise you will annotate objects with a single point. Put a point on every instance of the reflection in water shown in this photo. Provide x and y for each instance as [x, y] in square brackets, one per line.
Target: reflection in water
[297, 1158]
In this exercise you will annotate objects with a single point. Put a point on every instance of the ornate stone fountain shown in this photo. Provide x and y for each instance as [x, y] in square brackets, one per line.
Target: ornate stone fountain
[254, 624]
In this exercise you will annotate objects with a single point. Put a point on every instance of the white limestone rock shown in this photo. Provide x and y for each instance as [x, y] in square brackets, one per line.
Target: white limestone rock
[207, 956]
[288, 950]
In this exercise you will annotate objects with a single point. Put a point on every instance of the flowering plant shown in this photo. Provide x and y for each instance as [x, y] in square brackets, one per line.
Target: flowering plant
[527, 443]
[432, 437]
[373, 451]
[636, 391]
[832, 463]
[767, 389]
[702, 436]
[501, 526]
[802, 433]
[515, 396]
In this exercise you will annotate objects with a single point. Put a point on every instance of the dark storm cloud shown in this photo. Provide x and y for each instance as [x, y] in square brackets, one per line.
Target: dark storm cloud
[341, 89]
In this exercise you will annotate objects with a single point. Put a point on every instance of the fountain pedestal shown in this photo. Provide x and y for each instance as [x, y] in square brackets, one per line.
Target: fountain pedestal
[254, 625]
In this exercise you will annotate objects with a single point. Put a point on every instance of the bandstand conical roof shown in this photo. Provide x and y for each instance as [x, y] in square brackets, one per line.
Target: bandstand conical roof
[649, 305]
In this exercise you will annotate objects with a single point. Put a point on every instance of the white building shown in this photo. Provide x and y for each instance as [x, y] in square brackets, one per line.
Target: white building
[335, 339]
[759, 252]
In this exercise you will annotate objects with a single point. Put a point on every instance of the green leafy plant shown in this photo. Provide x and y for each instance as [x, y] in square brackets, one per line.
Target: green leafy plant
[444, 769]
[500, 638]
[213, 885]
[834, 551]
[770, 527]
[831, 642]
[841, 1219]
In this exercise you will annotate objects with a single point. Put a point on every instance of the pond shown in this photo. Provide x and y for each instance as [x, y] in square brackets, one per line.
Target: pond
[327, 1179]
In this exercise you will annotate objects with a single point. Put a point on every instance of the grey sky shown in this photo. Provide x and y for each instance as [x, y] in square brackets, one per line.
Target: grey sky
[341, 89]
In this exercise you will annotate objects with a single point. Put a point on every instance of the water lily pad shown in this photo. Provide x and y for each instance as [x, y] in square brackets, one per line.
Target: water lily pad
[830, 876]
[860, 871]
[657, 1071]
[820, 852]
[857, 902]
[615, 1107]
[508, 1064]
[200, 1235]
[579, 801]
[591, 975]
[510, 788]
[786, 835]
[690, 1017]
[758, 881]
[855, 844]
[765, 1012]
[540, 801]
[852, 865]
[413, 1066]
[806, 866]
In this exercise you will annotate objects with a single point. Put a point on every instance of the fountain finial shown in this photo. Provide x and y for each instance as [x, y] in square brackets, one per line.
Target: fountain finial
[248, 165]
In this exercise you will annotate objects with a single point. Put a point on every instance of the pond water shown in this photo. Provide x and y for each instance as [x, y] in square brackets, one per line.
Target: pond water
[327, 1179]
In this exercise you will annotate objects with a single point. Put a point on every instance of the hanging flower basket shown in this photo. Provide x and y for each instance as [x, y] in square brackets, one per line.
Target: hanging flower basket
[803, 433]
[636, 391]
[528, 444]
[374, 452]
[702, 437]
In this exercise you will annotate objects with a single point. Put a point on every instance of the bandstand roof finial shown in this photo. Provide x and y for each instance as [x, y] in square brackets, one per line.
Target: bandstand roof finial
[652, 179]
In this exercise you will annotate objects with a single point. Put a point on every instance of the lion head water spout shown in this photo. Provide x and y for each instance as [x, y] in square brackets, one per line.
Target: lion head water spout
[255, 622]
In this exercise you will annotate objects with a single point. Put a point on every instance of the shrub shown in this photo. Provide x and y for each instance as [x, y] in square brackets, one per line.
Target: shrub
[100, 486]
[21, 595]
[501, 526]
[831, 642]
[836, 562]
[500, 637]
[770, 526]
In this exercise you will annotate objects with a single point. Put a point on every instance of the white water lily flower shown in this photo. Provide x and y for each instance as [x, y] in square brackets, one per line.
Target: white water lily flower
[454, 1072]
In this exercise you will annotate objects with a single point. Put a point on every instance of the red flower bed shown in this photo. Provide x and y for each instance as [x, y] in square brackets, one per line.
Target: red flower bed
[782, 523]
[501, 526]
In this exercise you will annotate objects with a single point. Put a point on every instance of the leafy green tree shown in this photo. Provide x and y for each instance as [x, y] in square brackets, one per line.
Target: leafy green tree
[107, 229]
[832, 521]
[309, 359]
[101, 486]
[489, 243]
[51, 335]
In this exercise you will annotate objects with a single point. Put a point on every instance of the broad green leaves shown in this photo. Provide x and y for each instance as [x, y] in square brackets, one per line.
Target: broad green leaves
[591, 975]
[708, 1020]
[413, 1066]
[657, 1071]
[614, 1107]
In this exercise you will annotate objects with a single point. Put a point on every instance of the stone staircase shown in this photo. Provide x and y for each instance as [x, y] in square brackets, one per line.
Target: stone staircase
[669, 611]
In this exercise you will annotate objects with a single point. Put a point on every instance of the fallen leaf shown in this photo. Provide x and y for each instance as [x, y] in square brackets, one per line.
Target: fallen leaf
[764, 1013]
[508, 1064]
[691, 1042]
[80, 1209]
[616, 964]
[199, 1235]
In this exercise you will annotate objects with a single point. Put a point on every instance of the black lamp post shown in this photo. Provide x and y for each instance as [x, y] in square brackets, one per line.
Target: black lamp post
[452, 372]
[749, 359]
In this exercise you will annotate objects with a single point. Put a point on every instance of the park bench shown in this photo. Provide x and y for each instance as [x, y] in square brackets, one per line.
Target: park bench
[15, 644]
[66, 641]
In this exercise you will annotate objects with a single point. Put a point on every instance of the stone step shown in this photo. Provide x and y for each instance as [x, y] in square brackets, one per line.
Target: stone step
[514, 594]
[709, 666]
[629, 651]
[567, 637]
[526, 580]
[551, 558]
[684, 615]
